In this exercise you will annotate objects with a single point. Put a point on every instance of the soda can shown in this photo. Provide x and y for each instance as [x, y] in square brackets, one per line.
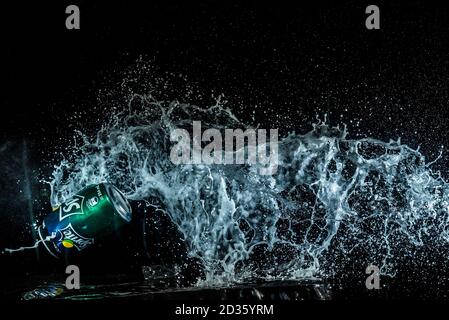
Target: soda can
[95, 211]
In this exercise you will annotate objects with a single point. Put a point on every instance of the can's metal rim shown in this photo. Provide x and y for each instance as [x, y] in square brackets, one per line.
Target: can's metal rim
[119, 201]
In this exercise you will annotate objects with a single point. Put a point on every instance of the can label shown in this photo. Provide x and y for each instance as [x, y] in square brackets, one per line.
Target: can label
[72, 239]
[95, 211]
[74, 206]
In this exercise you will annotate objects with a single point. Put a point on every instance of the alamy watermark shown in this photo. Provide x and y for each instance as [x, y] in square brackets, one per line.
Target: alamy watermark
[73, 280]
[231, 149]
[373, 280]
[72, 22]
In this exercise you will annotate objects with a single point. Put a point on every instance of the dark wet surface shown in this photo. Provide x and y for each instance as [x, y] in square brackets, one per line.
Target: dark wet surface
[153, 290]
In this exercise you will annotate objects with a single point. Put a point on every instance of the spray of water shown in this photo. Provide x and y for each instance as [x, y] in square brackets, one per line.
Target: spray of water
[34, 246]
[330, 193]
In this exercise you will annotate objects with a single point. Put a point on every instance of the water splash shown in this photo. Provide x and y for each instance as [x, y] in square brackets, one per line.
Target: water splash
[34, 246]
[330, 194]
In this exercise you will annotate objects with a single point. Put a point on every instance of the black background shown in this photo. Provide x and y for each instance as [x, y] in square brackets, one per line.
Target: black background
[290, 62]
[300, 60]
